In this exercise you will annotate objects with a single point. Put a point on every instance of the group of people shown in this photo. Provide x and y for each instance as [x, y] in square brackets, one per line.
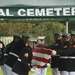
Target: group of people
[16, 57]
[26, 52]
[62, 62]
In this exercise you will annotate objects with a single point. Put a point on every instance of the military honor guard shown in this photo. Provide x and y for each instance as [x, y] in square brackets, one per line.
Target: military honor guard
[23, 63]
[70, 65]
[57, 46]
[14, 53]
[62, 58]
[16, 38]
[69, 56]
[1, 53]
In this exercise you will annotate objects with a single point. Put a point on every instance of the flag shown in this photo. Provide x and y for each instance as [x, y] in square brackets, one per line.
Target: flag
[41, 57]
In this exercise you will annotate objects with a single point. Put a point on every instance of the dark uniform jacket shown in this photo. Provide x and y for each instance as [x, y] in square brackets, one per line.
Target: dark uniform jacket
[70, 58]
[22, 65]
[62, 58]
[8, 49]
[14, 53]
[55, 58]
[1, 52]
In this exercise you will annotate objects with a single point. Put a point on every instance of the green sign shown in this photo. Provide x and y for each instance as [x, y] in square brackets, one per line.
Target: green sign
[37, 12]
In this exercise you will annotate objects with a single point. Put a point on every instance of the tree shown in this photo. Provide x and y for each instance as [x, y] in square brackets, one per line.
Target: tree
[35, 29]
[9, 28]
[48, 29]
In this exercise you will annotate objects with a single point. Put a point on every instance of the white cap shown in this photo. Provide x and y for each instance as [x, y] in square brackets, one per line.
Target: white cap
[41, 37]
[32, 39]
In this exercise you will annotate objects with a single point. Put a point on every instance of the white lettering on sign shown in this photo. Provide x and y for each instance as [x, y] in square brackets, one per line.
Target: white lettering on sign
[49, 12]
[21, 12]
[2, 12]
[8, 13]
[66, 12]
[39, 12]
[58, 11]
[5, 13]
[73, 11]
[30, 12]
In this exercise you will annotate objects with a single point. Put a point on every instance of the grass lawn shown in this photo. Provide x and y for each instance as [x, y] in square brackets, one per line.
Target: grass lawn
[49, 72]
[1, 72]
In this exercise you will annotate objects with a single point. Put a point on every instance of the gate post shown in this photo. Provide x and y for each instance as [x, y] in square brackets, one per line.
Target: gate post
[66, 26]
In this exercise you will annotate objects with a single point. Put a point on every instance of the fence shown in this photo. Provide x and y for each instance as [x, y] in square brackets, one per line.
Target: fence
[6, 39]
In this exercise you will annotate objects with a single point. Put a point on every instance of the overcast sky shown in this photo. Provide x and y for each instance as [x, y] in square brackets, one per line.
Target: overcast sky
[37, 2]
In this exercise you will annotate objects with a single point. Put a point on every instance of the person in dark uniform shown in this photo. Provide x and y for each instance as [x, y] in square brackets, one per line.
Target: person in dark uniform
[14, 53]
[57, 46]
[2, 47]
[8, 48]
[16, 38]
[62, 59]
[69, 55]
[22, 65]
[1, 52]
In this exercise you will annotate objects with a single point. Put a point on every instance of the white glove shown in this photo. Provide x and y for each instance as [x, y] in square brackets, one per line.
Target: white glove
[54, 52]
[32, 70]
[48, 64]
